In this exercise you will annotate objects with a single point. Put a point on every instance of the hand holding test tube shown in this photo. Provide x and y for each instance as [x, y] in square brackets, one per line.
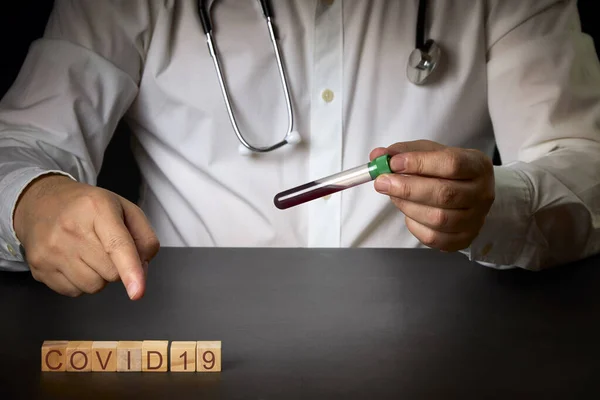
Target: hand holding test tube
[333, 183]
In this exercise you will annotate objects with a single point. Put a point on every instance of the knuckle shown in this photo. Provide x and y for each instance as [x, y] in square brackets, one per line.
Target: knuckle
[152, 243]
[439, 218]
[447, 194]
[116, 242]
[92, 286]
[419, 164]
[53, 243]
[68, 224]
[36, 274]
[93, 200]
[429, 238]
[35, 259]
[454, 162]
[403, 189]
[112, 275]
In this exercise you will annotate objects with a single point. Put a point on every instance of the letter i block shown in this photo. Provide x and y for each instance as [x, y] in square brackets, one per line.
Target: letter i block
[54, 354]
[208, 356]
[183, 357]
[129, 356]
[104, 356]
[154, 355]
[79, 356]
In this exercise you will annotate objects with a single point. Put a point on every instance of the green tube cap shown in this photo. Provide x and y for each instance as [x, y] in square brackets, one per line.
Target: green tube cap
[380, 165]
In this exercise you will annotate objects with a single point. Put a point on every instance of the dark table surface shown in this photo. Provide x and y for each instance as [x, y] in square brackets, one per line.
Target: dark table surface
[312, 324]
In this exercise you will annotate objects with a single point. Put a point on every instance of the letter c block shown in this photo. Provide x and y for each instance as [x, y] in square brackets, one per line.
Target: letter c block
[54, 354]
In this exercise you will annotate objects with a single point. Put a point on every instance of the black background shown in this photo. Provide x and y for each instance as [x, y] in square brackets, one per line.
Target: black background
[23, 21]
[322, 324]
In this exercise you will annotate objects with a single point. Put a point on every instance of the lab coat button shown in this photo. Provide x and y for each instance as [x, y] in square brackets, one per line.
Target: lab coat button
[11, 250]
[327, 95]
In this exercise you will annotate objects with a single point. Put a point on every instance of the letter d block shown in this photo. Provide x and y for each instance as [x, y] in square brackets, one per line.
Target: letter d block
[129, 356]
[154, 355]
[79, 356]
[54, 354]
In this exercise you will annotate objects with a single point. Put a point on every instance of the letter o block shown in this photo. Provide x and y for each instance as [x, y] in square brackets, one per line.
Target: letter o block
[54, 354]
[79, 356]
[154, 355]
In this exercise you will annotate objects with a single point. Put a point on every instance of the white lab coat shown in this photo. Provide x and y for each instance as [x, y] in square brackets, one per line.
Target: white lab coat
[519, 73]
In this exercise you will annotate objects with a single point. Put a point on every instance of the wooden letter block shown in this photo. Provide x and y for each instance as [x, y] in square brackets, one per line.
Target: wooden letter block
[79, 356]
[183, 357]
[104, 356]
[208, 356]
[54, 355]
[154, 355]
[129, 356]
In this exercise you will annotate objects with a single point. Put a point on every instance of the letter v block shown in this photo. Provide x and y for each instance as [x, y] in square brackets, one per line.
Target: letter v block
[154, 355]
[104, 356]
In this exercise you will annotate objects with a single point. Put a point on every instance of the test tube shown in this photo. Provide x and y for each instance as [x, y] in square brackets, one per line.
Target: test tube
[333, 183]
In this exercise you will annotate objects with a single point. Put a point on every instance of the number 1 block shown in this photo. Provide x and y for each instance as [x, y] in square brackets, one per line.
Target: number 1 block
[208, 356]
[183, 357]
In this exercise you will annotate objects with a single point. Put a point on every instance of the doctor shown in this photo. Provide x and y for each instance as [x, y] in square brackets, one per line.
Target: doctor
[519, 74]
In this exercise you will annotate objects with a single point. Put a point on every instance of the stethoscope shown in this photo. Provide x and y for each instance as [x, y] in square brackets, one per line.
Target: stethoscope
[422, 61]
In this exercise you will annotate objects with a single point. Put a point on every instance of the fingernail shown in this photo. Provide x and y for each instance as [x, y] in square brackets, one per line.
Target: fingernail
[132, 289]
[382, 184]
[398, 163]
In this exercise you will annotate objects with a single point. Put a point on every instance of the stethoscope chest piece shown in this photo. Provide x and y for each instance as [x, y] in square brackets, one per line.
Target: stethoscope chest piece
[422, 62]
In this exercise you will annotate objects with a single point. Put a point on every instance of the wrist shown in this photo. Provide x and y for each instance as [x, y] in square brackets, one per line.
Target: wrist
[31, 194]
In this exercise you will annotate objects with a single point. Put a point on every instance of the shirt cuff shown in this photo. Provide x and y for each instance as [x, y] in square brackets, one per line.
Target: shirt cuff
[11, 187]
[501, 242]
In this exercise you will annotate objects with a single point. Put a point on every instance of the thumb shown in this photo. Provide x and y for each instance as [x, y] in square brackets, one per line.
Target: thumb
[141, 231]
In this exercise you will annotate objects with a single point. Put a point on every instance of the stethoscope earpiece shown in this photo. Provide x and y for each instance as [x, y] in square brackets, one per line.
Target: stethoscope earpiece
[293, 138]
[244, 151]
[422, 62]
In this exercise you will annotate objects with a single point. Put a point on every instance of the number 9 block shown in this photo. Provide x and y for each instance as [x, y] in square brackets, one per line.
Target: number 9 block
[208, 356]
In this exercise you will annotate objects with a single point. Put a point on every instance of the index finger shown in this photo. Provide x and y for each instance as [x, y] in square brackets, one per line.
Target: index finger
[403, 147]
[120, 246]
[447, 163]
